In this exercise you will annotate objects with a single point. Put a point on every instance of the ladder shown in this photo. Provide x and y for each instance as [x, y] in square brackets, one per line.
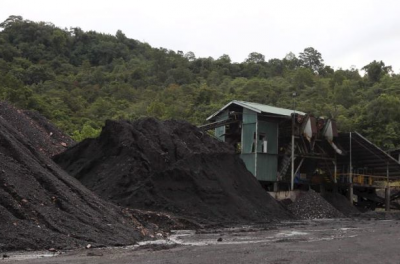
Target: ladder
[286, 162]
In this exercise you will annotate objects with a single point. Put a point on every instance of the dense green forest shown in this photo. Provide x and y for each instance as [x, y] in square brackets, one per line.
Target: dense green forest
[79, 79]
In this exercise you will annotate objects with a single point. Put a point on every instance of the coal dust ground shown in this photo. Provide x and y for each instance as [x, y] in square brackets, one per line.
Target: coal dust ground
[309, 241]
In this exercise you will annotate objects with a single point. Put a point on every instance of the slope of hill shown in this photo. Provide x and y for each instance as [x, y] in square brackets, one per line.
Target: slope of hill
[79, 79]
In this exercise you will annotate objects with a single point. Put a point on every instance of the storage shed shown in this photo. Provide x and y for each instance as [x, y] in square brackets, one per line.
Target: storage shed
[254, 129]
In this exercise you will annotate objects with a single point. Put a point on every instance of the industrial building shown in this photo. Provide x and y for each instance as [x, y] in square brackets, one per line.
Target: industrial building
[288, 149]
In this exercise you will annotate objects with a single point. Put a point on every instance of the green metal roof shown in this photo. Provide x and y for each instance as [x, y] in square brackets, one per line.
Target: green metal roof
[258, 108]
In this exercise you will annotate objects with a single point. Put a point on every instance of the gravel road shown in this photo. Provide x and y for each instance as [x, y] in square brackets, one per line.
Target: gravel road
[319, 241]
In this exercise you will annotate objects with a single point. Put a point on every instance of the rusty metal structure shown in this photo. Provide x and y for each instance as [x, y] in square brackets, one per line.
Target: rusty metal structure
[287, 149]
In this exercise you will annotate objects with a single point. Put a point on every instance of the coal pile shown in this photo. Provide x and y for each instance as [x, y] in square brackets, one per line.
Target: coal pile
[41, 134]
[311, 205]
[170, 166]
[341, 203]
[42, 207]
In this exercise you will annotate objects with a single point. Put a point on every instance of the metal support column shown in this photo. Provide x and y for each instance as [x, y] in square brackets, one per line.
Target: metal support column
[292, 171]
[335, 187]
[293, 126]
[351, 174]
[387, 190]
[276, 187]
[335, 172]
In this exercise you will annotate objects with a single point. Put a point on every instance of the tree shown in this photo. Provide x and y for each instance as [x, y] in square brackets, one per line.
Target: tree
[120, 36]
[380, 120]
[303, 77]
[290, 61]
[255, 57]
[224, 59]
[79, 79]
[275, 67]
[223, 63]
[312, 59]
[190, 56]
[87, 131]
[156, 109]
[376, 70]
[11, 20]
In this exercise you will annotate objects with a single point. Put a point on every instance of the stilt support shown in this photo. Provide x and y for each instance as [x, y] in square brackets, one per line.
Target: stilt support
[387, 199]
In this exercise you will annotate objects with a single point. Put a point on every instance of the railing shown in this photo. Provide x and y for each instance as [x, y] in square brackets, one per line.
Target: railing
[364, 179]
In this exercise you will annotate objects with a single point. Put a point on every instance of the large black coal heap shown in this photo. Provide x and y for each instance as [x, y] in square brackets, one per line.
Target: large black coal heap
[42, 207]
[170, 166]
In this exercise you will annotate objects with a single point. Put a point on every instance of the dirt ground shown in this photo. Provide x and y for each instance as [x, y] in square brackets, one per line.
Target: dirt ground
[317, 241]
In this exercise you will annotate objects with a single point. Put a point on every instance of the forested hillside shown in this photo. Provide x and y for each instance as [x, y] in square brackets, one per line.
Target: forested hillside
[78, 79]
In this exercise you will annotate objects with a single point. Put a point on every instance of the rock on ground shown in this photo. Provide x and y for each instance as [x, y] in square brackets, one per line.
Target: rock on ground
[170, 166]
[311, 205]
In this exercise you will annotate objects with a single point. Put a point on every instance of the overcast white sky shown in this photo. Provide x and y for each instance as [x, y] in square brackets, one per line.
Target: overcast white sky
[346, 32]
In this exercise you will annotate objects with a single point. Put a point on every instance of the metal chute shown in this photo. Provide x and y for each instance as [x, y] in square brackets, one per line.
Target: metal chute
[330, 132]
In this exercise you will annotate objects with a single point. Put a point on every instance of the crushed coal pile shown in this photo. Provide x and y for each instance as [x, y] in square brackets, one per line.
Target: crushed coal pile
[341, 203]
[43, 207]
[311, 205]
[170, 166]
[43, 135]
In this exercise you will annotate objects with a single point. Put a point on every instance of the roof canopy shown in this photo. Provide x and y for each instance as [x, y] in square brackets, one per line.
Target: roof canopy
[258, 108]
[366, 154]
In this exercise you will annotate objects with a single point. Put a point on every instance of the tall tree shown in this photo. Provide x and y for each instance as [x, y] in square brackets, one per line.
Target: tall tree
[290, 61]
[376, 70]
[11, 20]
[255, 57]
[312, 59]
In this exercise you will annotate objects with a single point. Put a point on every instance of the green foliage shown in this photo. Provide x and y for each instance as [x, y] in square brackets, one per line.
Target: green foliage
[87, 131]
[312, 59]
[79, 79]
[376, 70]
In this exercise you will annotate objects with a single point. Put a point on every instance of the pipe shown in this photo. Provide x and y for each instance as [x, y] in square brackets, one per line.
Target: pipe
[292, 171]
[351, 175]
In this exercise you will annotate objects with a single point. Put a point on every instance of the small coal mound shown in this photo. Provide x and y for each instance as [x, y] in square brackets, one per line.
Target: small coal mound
[42, 207]
[43, 135]
[311, 205]
[341, 203]
[170, 166]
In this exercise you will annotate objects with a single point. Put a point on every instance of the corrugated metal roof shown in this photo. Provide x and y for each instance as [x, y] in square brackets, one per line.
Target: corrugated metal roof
[259, 108]
[367, 154]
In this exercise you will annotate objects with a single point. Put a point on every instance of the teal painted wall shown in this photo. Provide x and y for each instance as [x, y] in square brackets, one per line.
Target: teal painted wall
[270, 131]
[248, 131]
[267, 163]
[249, 117]
[267, 167]
[219, 132]
[249, 126]
[249, 160]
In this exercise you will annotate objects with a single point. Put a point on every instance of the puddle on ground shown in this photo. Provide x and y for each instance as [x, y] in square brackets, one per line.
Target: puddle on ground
[291, 233]
[26, 256]
[231, 236]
